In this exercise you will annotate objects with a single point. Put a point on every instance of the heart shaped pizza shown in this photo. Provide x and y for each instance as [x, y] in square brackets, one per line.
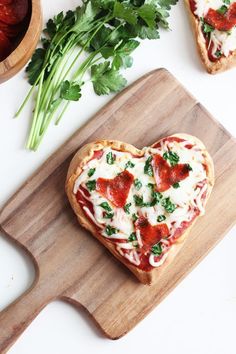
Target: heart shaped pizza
[141, 203]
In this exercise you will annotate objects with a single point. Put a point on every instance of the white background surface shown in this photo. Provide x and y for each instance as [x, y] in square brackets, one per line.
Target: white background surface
[199, 316]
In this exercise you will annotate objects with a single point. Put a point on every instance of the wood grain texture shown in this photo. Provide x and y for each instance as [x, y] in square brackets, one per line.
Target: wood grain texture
[70, 263]
[20, 56]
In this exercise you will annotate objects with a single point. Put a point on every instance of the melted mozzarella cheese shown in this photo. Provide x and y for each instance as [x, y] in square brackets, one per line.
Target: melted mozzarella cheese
[202, 6]
[188, 197]
[225, 40]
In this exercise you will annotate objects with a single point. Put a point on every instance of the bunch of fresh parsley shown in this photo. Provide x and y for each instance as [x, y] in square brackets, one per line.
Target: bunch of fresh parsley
[98, 37]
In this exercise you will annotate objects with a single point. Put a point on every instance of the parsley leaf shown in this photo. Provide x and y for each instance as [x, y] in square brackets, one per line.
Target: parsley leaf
[108, 215]
[91, 185]
[218, 53]
[168, 205]
[176, 185]
[70, 91]
[161, 218]
[145, 32]
[110, 158]
[157, 196]
[148, 167]
[106, 79]
[91, 172]
[132, 237]
[35, 66]
[222, 10]
[148, 14]
[134, 217]
[105, 206]
[157, 249]
[188, 167]
[137, 184]
[206, 27]
[129, 164]
[125, 12]
[138, 200]
[126, 208]
[110, 230]
[172, 157]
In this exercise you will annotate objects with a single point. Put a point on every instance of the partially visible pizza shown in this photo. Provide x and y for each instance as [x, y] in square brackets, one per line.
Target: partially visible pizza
[141, 203]
[214, 24]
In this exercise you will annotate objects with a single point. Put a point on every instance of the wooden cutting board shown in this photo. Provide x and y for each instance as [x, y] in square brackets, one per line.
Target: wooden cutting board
[70, 264]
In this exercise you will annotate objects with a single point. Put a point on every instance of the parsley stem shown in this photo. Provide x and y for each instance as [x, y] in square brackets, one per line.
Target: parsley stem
[49, 80]
[62, 112]
[35, 115]
[27, 97]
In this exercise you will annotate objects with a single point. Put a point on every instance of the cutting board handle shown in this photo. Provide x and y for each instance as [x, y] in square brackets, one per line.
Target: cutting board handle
[17, 316]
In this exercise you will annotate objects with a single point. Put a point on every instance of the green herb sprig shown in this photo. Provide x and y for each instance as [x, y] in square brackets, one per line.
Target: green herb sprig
[97, 38]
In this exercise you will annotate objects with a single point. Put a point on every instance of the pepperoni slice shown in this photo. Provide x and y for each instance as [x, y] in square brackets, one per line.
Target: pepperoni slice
[161, 173]
[178, 173]
[150, 234]
[222, 22]
[166, 175]
[116, 190]
[231, 14]
[5, 46]
[14, 12]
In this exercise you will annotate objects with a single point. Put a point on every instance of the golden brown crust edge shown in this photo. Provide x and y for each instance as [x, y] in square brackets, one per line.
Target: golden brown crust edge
[220, 65]
[82, 157]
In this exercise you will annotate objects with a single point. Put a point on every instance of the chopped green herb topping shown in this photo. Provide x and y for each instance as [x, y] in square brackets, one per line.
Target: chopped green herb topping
[110, 230]
[126, 208]
[108, 215]
[172, 157]
[227, 2]
[156, 197]
[137, 184]
[168, 205]
[148, 170]
[129, 164]
[207, 29]
[157, 249]
[91, 172]
[161, 218]
[222, 10]
[134, 217]
[189, 167]
[218, 53]
[110, 158]
[150, 185]
[176, 185]
[105, 206]
[138, 200]
[132, 237]
[91, 185]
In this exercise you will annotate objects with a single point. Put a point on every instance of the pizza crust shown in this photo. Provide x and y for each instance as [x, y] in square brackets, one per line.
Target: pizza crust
[224, 63]
[83, 156]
